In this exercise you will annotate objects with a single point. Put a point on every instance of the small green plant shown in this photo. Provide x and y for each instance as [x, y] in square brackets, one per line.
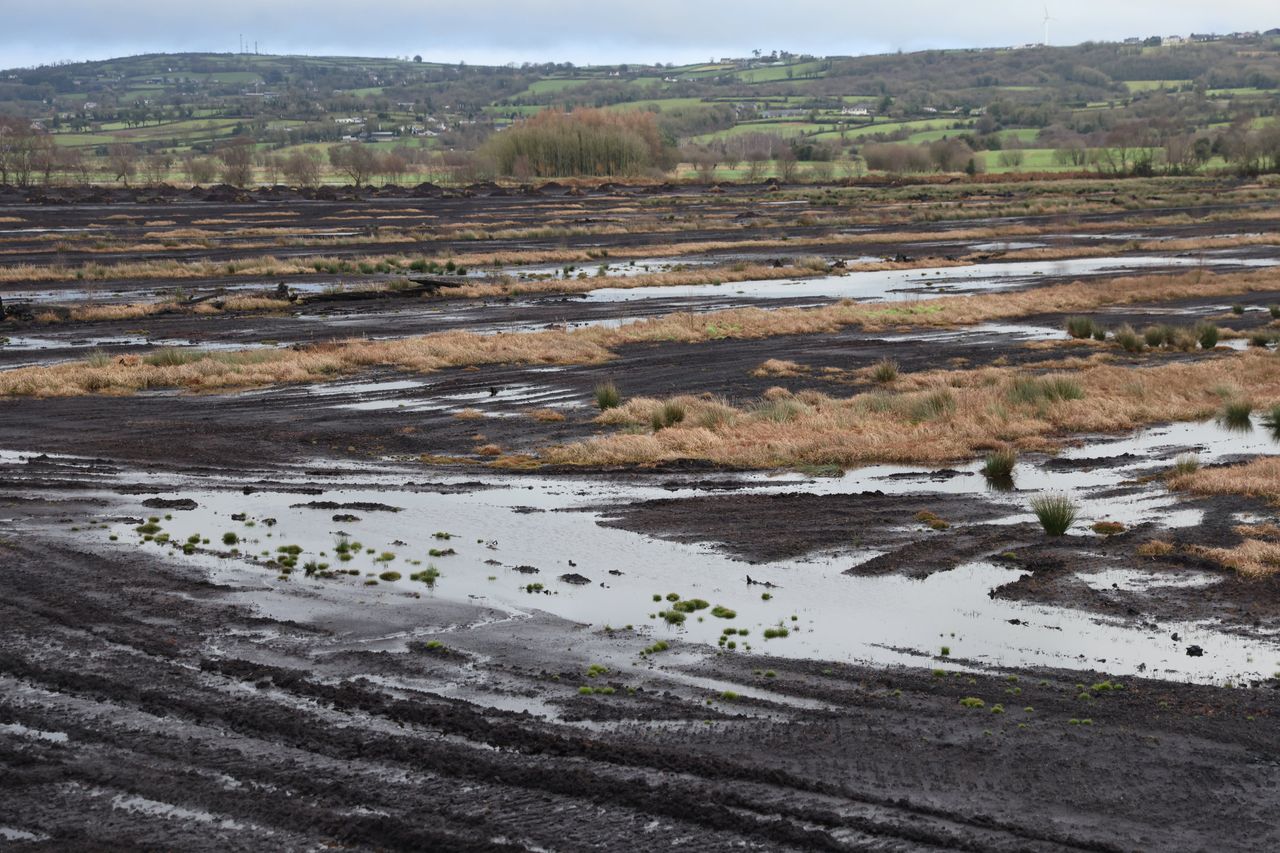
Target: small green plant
[972, 702]
[729, 696]
[1108, 528]
[1271, 420]
[673, 617]
[1056, 513]
[1237, 309]
[884, 371]
[389, 577]
[1236, 415]
[1128, 339]
[765, 596]
[1045, 389]
[1275, 311]
[669, 414]
[999, 464]
[933, 406]
[429, 576]
[607, 396]
[1208, 335]
[1082, 327]
[230, 538]
[945, 652]
[776, 633]
[721, 612]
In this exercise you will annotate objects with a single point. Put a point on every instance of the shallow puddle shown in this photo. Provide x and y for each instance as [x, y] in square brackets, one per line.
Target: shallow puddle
[921, 283]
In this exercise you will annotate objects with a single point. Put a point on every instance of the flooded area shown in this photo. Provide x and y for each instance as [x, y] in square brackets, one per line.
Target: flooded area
[525, 544]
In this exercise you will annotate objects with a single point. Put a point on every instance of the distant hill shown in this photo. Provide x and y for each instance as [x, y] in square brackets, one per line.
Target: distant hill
[1030, 98]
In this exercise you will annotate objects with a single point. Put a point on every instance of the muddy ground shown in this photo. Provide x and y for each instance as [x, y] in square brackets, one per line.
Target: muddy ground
[145, 704]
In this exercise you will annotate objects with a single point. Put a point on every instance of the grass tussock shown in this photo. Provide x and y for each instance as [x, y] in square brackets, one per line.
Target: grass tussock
[607, 396]
[999, 464]
[1056, 513]
[884, 371]
[1252, 559]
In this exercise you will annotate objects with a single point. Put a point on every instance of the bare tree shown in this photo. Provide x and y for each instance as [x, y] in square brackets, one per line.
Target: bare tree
[787, 164]
[1011, 158]
[199, 170]
[17, 149]
[73, 162]
[757, 163]
[237, 161]
[301, 169]
[355, 160]
[155, 168]
[122, 161]
[394, 165]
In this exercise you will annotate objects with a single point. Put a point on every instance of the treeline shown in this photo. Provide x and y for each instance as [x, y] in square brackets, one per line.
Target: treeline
[583, 142]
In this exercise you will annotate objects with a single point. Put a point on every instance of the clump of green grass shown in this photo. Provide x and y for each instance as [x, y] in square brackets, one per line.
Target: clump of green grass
[389, 577]
[1237, 309]
[230, 539]
[1271, 420]
[1261, 339]
[1158, 336]
[1187, 463]
[607, 396]
[673, 617]
[1128, 339]
[1236, 415]
[690, 605]
[1208, 335]
[722, 612]
[1275, 311]
[1083, 327]
[998, 466]
[1045, 389]
[660, 646]
[972, 702]
[884, 371]
[173, 357]
[1056, 513]
[933, 406]
[776, 633]
[671, 413]
[429, 576]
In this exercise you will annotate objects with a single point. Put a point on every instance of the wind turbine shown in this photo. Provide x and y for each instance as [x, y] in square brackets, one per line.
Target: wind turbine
[1047, 19]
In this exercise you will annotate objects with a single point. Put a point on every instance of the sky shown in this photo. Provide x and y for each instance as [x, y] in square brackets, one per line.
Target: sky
[587, 31]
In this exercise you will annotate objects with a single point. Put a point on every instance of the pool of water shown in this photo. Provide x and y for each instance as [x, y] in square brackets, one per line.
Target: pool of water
[509, 532]
[921, 283]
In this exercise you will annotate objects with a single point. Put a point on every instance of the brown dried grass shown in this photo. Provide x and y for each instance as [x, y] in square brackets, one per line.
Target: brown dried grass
[938, 418]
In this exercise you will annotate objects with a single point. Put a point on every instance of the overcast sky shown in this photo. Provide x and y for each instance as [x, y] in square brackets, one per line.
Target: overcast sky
[587, 31]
